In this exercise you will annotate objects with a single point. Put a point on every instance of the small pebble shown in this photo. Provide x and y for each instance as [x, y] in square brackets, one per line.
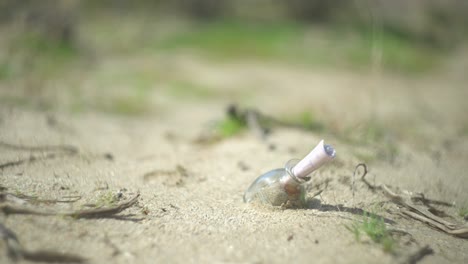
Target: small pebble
[109, 156]
[271, 147]
[242, 166]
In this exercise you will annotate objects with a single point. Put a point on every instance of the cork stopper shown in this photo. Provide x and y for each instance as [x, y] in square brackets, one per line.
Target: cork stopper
[320, 155]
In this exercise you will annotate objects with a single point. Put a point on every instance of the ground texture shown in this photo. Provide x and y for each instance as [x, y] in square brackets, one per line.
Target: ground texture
[191, 208]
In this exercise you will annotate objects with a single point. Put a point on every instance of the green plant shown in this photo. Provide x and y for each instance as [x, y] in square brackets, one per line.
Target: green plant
[463, 211]
[374, 227]
[229, 127]
[106, 199]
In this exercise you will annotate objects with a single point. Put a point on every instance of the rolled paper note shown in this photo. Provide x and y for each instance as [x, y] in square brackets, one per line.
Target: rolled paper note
[320, 155]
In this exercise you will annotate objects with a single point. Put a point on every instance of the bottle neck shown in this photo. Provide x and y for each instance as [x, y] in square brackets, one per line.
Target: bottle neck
[289, 169]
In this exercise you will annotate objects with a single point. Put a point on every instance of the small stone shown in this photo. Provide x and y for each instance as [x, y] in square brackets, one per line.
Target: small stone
[242, 166]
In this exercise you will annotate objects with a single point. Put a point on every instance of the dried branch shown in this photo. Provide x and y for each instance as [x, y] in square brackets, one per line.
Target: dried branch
[458, 232]
[417, 212]
[7, 196]
[415, 208]
[51, 256]
[89, 213]
[34, 159]
[103, 212]
[371, 186]
[419, 197]
[46, 148]
[12, 163]
[252, 117]
[54, 151]
[362, 176]
[317, 193]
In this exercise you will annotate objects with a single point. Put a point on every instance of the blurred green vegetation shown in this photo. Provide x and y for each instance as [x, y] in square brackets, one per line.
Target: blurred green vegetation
[306, 120]
[299, 43]
[5, 71]
[463, 211]
[106, 199]
[190, 89]
[229, 127]
[234, 39]
[125, 92]
[60, 42]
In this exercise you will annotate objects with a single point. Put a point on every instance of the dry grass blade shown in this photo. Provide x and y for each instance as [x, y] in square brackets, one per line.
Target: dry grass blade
[102, 212]
[11, 209]
[90, 213]
[317, 193]
[421, 198]
[372, 187]
[458, 232]
[54, 151]
[51, 256]
[35, 158]
[419, 209]
[22, 198]
[362, 177]
[253, 122]
[12, 163]
[55, 148]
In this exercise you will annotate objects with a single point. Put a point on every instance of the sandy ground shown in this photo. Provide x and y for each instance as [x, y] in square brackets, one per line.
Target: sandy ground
[198, 216]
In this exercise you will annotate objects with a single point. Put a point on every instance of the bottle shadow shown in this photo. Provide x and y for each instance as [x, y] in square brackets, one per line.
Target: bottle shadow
[316, 204]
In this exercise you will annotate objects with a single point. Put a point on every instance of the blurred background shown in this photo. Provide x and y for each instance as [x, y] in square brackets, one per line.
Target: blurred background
[362, 70]
[145, 91]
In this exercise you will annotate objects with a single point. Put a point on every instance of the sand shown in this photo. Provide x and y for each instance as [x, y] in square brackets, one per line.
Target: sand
[191, 208]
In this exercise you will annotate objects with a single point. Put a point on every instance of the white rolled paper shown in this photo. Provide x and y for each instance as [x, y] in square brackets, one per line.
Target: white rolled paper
[320, 155]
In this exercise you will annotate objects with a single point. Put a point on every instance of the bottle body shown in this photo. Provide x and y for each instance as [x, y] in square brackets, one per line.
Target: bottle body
[285, 187]
[277, 187]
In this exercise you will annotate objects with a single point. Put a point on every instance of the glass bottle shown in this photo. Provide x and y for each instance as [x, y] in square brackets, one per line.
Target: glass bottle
[285, 186]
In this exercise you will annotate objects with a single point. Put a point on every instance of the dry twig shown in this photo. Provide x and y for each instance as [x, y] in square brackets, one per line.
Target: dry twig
[419, 197]
[89, 213]
[260, 122]
[418, 212]
[22, 198]
[46, 148]
[53, 152]
[354, 176]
